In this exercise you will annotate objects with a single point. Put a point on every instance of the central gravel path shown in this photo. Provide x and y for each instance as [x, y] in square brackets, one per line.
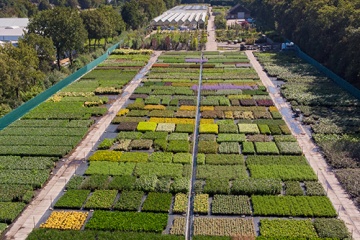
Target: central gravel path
[346, 209]
[31, 216]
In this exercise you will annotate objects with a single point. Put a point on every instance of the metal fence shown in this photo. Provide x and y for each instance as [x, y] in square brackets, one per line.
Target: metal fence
[330, 74]
[34, 102]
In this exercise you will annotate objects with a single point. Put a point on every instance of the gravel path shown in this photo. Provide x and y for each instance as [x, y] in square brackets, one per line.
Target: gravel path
[346, 209]
[33, 213]
[211, 44]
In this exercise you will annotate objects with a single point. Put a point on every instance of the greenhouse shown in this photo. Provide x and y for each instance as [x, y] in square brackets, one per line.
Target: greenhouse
[189, 16]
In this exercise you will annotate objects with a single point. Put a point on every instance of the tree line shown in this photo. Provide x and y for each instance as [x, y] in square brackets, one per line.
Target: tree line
[64, 31]
[327, 30]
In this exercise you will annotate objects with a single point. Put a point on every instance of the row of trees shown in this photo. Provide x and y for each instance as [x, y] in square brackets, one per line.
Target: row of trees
[60, 32]
[327, 30]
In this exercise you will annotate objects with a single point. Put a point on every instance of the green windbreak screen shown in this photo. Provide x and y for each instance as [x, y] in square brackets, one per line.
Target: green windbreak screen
[340, 81]
[26, 107]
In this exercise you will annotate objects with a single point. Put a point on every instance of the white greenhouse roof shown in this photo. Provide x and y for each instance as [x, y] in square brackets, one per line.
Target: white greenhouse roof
[20, 22]
[182, 14]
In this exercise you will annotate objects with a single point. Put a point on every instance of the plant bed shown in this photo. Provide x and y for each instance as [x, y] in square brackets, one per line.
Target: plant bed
[101, 199]
[72, 199]
[127, 221]
[157, 202]
[224, 159]
[129, 201]
[287, 229]
[65, 220]
[230, 204]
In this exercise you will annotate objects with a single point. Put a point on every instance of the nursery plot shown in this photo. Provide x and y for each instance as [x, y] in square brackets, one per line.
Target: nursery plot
[30, 146]
[246, 155]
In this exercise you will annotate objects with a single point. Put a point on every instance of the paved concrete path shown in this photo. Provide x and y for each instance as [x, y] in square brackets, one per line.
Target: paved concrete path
[211, 44]
[341, 201]
[31, 216]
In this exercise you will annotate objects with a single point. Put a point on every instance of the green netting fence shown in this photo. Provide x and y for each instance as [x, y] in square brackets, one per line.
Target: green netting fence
[32, 103]
[330, 74]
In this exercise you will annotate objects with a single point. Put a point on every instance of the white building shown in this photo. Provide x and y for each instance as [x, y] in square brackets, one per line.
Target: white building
[11, 29]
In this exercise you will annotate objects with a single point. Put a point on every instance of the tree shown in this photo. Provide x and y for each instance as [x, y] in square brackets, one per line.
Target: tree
[19, 72]
[131, 14]
[44, 47]
[64, 26]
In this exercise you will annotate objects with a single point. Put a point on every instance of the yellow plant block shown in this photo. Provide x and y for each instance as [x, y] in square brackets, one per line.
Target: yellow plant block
[71, 220]
[207, 121]
[208, 128]
[122, 112]
[155, 107]
[273, 109]
[187, 108]
[229, 115]
[207, 108]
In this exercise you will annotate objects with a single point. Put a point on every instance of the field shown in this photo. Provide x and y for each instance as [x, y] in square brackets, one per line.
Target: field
[32, 146]
[331, 114]
[248, 163]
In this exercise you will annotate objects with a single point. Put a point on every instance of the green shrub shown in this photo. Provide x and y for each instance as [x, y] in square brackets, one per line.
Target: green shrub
[75, 182]
[284, 138]
[223, 204]
[186, 128]
[163, 185]
[72, 199]
[146, 183]
[200, 159]
[283, 172]
[10, 210]
[146, 126]
[178, 146]
[221, 171]
[184, 158]
[140, 144]
[248, 128]
[101, 199]
[274, 129]
[224, 159]
[157, 202]
[127, 221]
[129, 201]
[217, 186]
[122, 145]
[231, 138]
[162, 157]
[159, 169]
[110, 168]
[256, 186]
[207, 147]
[122, 183]
[154, 135]
[160, 145]
[207, 137]
[228, 128]
[95, 181]
[178, 136]
[129, 135]
[201, 203]
[134, 157]
[303, 206]
[276, 160]
[229, 147]
[293, 188]
[180, 184]
[264, 129]
[248, 148]
[106, 143]
[331, 228]
[289, 148]
[266, 148]
[314, 188]
[292, 229]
